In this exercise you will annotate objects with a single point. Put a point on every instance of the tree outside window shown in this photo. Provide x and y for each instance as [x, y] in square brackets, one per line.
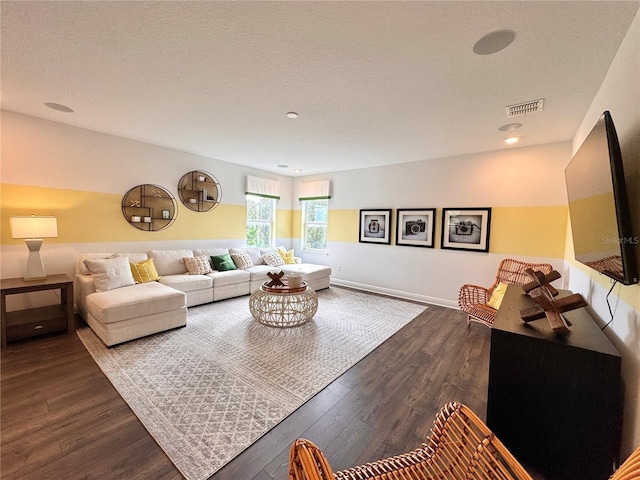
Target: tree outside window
[261, 214]
[314, 224]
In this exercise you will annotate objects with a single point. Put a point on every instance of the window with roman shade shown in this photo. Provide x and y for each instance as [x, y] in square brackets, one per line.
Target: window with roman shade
[314, 198]
[261, 195]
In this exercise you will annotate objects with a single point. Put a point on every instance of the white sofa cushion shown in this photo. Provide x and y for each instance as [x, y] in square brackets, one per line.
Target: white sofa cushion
[309, 271]
[259, 272]
[187, 282]
[110, 273]
[134, 301]
[170, 262]
[229, 277]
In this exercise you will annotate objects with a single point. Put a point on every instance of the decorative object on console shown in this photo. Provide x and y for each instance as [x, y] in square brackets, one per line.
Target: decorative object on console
[152, 204]
[466, 229]
[199, 191]
[415, 227]
[543, 293]
[474, 299]
[375, 226]
[33, 229]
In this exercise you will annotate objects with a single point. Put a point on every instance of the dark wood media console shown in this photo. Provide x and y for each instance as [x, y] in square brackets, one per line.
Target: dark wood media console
[555, 401]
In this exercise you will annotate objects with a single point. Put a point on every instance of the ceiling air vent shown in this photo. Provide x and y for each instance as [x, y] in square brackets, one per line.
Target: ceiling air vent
[525, 108]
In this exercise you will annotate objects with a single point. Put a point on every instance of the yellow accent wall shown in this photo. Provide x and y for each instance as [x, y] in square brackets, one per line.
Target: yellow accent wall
[85, 217]
[343, 225]
[284, 227]
[529, 231]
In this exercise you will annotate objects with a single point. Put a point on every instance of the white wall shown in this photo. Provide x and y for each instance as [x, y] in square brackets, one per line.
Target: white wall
[620, 94]
[42, 153]
[519, 177]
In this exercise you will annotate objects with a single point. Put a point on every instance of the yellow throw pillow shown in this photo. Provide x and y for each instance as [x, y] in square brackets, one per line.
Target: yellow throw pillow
[287, 256]
[497, 296]
[144, 272]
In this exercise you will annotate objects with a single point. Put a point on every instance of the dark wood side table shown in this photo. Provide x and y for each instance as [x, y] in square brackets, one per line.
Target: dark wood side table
[555, 400]
[40, 320]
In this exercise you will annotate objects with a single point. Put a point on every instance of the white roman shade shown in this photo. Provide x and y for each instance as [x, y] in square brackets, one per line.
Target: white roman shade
[262, 187]
[315, 190]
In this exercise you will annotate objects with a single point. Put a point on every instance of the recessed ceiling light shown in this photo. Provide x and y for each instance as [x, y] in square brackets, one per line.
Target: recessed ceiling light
[292, 115]
[59, 107]
[494, 42]
[297, 170]
[509, 127]
[283, 166]
[511, 140]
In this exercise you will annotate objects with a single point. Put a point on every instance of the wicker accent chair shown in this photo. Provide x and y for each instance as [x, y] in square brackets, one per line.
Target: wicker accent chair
[461, 446]
[630, 469]
[473, 299]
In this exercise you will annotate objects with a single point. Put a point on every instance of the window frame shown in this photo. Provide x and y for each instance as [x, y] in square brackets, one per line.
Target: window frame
[271, 223]
[304, 204]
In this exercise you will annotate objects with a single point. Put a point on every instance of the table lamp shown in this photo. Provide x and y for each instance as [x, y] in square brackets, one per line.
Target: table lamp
[33, 229]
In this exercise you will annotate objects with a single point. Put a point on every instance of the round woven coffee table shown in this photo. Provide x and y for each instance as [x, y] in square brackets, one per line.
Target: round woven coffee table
[283, 307]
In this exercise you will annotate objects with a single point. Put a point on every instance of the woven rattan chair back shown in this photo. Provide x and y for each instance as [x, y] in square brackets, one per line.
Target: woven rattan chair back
[630, 469]
[472, 299]
[460, 447]
[514, 271]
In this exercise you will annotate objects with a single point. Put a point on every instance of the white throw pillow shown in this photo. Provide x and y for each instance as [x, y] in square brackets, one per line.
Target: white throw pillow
[242, 260]
[273, 259]
[254, 254]
[110, 273]
[198, 265]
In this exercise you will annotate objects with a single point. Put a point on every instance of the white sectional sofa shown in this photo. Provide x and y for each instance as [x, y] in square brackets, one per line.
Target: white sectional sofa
[121, 310]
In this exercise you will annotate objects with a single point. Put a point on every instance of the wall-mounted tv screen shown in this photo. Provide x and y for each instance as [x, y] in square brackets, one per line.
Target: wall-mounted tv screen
[598, 205]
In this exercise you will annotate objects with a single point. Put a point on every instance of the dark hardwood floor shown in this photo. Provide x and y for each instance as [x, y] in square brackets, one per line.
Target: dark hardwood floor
[62, 419]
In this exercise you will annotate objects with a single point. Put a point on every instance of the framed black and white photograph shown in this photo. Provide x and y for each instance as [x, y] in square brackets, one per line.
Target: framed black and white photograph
[375, 226]
[415, 227]
[466, 228]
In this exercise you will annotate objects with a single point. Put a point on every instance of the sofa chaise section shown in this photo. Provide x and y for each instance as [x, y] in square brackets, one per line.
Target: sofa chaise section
[135, 311]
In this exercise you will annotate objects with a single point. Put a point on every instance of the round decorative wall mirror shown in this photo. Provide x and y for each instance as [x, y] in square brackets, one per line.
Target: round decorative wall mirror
[149, 207]
[199, 191]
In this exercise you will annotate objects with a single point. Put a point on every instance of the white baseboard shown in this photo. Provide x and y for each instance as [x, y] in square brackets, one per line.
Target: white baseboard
[394, 293]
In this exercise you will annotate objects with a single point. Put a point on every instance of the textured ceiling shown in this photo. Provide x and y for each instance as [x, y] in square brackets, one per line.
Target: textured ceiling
[374, 83]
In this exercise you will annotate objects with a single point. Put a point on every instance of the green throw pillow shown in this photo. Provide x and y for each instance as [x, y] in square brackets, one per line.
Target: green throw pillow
[223, 263]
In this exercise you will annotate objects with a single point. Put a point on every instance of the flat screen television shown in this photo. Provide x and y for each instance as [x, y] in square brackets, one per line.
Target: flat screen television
[599, 207]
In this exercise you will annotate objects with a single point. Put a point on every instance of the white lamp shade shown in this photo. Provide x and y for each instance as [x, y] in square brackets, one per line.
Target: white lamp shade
[33, 227]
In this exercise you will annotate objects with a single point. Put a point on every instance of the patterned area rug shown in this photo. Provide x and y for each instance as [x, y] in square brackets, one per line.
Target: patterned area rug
[207, 391]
